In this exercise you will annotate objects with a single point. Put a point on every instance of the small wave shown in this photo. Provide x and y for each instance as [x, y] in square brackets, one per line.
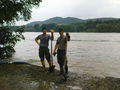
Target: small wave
[92, 40]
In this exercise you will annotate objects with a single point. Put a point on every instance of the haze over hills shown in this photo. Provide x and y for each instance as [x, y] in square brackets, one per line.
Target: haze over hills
[67, 20]
[57, 20]
[71, 24]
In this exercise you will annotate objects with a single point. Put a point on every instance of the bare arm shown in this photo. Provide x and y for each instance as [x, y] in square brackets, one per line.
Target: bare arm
[37, 41]
[68, 36]
[56, 47]
[52, 36]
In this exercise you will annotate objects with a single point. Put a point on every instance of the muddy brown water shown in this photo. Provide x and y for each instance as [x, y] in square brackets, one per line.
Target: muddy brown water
[97, 54]
[91, 58]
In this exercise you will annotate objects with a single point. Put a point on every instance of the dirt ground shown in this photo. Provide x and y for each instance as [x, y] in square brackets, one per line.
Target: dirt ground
[31, 77]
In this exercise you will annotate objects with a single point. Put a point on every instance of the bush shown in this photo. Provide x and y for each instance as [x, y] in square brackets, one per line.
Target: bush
[8, 39]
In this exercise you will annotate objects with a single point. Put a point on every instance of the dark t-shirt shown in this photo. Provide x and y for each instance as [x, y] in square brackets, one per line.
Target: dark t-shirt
[44, 40]
[62, 42]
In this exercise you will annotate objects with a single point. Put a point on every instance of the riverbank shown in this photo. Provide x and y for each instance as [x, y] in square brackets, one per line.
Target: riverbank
[31, 77]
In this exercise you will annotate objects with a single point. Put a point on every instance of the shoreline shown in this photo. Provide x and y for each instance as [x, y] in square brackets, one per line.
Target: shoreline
[31, 77]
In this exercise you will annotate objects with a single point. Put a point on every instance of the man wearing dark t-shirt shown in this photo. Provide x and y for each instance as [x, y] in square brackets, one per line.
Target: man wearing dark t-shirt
[43, 47]
[61, 47]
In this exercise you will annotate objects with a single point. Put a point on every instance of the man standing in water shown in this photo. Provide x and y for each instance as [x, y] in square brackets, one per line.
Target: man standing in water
[61, 47]
[43, 48]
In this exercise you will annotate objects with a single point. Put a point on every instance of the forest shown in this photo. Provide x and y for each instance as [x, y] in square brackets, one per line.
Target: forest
[86, 26]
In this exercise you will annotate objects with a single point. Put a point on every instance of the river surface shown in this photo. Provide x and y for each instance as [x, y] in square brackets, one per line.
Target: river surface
[96, 54]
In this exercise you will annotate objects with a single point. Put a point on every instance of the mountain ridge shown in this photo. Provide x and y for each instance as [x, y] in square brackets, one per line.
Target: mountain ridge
[67, 20]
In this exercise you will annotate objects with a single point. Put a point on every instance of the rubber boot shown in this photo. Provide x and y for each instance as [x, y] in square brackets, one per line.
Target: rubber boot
[43, 64]
[51, 66]
[61, 69]
[66, 69]
[50, 63]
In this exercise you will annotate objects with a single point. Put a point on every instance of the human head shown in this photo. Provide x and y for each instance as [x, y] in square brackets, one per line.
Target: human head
[44, 30]
[61, 31]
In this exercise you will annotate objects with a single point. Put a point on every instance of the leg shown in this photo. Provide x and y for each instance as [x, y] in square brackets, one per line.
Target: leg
[41, 55]
[60, 60]
[47, 54]
[61, 69]
[51, 66]
[66, 66]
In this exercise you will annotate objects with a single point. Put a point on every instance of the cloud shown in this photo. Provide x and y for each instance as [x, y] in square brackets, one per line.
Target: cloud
[76, 8]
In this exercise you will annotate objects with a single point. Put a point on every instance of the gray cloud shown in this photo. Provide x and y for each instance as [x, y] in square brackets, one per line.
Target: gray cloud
[76, 8]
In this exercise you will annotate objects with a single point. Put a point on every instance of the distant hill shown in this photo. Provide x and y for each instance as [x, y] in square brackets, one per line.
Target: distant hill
[57, 20]
[102, 19]
[68, 20]
[71, 24]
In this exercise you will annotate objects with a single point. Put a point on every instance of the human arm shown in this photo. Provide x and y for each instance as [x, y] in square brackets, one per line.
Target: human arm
[55, 49]
[68, 36]
[37, 40]
[52, 35]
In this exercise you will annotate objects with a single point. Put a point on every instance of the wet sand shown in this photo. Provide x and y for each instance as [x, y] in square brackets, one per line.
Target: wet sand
[31, 77]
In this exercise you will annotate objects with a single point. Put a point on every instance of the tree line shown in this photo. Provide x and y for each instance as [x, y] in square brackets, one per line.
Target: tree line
[87, 26]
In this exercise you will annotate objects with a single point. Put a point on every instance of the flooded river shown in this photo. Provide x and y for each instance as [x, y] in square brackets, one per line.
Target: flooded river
[93, 60]
[96, 54]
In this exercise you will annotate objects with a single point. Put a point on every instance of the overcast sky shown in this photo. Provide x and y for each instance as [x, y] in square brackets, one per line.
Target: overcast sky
[82, 9]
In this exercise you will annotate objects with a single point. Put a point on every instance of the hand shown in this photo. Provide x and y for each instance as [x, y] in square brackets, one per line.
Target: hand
[54, 53]
[67, 34]
[52, 31]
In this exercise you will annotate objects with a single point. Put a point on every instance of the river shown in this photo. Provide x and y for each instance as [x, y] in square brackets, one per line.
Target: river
[96, 54]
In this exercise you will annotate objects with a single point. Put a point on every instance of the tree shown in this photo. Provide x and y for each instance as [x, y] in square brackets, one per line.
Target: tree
[10, 12]
[14, 10]
[8, 39]
[37, 27]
